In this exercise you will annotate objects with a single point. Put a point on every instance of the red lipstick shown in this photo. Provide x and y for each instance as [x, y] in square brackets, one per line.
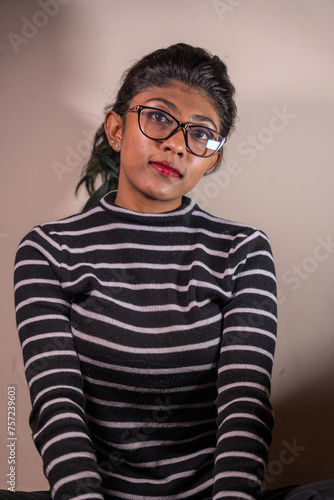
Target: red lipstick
[166, 169]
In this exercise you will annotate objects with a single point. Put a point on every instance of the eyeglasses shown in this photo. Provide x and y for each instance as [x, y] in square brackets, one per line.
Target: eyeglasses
[160, 125]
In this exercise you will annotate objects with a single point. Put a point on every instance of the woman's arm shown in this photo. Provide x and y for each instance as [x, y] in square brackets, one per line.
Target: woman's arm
[245, 417]
[53, 371]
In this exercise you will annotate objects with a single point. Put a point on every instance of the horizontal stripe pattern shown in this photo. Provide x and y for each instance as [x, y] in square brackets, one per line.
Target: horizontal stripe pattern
[148, 342]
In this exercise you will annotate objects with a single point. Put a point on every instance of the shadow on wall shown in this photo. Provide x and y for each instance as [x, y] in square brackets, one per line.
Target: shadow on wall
[303, 438]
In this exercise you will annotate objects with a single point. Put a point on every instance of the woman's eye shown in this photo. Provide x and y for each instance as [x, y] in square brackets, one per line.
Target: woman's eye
[158, 117]
[201, 134]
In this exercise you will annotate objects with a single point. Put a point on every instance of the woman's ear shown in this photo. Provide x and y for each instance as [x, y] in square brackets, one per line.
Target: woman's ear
[215, 163]
[113, 126]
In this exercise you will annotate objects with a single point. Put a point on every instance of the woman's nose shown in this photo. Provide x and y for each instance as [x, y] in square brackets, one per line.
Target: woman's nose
[176, 143]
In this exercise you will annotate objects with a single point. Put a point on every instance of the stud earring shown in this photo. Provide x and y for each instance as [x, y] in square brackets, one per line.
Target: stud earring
[117, 146]
[111, 142]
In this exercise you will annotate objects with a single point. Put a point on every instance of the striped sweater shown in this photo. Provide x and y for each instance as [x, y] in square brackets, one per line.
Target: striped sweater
[148, 342]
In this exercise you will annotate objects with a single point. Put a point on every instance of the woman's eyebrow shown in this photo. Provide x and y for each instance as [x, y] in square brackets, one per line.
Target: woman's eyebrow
[202, 118]
[165, 101]
[175, 109]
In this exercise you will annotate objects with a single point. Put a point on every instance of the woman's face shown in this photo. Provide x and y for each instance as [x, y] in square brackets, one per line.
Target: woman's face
[154, 175]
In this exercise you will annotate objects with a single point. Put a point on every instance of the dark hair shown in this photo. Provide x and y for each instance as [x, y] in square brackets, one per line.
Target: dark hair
[193, 66]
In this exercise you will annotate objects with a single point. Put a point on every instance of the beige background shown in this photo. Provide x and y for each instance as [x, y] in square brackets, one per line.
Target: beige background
[278, 173]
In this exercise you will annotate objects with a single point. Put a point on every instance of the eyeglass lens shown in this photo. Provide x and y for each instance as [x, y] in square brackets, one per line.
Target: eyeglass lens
[157, 124]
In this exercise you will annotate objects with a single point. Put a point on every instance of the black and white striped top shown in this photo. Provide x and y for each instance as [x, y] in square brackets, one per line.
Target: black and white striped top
[148, 342]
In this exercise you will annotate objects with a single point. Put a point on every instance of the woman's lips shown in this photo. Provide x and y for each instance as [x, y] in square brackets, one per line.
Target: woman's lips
[166, 169]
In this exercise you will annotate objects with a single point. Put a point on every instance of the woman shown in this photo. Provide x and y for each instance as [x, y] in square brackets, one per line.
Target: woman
[147, 325]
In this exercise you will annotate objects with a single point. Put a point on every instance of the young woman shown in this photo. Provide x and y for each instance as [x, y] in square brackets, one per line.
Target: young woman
[147, 325]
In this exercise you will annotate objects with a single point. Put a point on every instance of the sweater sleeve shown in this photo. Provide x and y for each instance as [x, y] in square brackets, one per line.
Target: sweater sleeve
[53, 371]
[244, 413]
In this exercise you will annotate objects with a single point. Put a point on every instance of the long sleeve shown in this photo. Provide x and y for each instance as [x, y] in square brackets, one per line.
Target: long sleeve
[53, 371]
[245, 417]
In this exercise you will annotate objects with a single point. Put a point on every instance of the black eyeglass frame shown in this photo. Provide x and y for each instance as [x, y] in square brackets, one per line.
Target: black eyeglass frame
[186, 127]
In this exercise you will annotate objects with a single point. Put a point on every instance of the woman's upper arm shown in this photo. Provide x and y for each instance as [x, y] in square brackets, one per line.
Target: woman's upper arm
[53, 369]
[244, 413]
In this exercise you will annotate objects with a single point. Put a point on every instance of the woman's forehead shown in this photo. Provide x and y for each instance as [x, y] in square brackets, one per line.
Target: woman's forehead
[178, 98]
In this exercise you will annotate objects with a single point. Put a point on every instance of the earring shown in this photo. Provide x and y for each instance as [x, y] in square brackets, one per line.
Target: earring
[117, 146]
[111, 142]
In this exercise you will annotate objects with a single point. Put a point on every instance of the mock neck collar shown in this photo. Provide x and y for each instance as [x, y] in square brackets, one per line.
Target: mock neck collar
[185, 209]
